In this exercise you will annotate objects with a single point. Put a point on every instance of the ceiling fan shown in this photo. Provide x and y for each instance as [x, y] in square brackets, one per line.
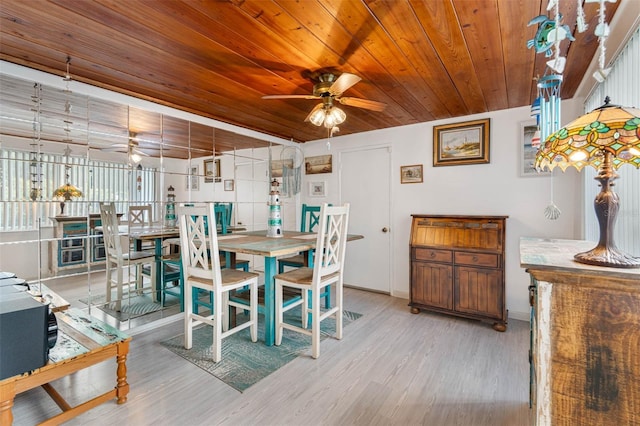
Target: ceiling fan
[329, 88]
[131, 148]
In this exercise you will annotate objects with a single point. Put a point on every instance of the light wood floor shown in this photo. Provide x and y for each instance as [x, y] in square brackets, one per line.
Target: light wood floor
[391, 368]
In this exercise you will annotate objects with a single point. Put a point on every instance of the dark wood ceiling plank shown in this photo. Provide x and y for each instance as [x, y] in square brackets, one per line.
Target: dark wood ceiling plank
[518, 60]
[482, 36]
[459, 89]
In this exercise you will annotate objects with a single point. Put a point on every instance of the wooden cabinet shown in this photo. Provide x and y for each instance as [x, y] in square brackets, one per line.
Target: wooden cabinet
[585, 337]
[457, 266]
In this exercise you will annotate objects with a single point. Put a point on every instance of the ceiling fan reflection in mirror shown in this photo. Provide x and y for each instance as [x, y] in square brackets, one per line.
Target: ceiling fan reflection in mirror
[329, 88]
[132, 149]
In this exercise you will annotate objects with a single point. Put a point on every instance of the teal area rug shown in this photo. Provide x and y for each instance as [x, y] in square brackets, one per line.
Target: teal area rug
[244, 363]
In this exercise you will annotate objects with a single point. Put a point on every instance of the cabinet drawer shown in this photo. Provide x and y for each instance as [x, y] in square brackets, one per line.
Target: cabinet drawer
[432, 254]
[477, 259]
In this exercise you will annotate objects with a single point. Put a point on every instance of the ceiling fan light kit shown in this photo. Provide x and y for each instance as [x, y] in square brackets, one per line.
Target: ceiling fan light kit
[329, 88]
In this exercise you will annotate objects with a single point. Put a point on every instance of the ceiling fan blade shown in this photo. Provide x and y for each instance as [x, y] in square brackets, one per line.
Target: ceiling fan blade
[140, 152]
[116, 147]
[363, 103]
[290, 97]
[345, 81]
[317, 107]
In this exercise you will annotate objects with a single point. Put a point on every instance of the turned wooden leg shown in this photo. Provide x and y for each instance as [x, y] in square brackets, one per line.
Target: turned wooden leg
[122, 387]
[7, 394]
[415, 310]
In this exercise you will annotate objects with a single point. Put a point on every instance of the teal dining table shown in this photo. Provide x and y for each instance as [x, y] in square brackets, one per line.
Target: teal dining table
[257, 243]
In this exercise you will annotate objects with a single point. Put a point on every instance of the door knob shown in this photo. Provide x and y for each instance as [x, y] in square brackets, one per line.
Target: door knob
[385, 229]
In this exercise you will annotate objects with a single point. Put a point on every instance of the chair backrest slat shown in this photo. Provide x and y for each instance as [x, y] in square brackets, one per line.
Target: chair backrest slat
[332, 241]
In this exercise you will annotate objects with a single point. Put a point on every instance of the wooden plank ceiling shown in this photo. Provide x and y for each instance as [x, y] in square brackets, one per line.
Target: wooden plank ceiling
[426, 60]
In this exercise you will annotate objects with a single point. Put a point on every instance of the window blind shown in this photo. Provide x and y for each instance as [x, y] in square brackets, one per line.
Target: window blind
[623, 87]
[98, 180]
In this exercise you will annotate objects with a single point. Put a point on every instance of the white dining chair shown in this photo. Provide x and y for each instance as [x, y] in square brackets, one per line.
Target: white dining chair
[328, 267]
[140, 216]
[119, 261]
[201, 270]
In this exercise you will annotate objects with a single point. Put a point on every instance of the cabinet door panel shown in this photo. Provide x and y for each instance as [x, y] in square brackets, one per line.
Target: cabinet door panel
[479, 291]
[432, 284]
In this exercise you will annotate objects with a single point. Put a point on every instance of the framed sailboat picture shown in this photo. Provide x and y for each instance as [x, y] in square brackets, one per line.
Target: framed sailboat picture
[461, 143]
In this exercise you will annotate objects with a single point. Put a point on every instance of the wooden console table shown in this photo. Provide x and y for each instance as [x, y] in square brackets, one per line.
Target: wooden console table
[585, 336]
[83, 341]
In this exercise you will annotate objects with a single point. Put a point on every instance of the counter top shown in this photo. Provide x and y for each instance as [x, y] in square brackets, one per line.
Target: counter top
[557, 255]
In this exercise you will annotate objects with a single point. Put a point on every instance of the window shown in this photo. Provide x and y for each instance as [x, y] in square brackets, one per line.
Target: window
[623, 87]
[98, 180]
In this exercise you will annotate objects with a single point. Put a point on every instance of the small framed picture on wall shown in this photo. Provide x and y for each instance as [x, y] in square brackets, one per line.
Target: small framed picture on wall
[411, 174]
[193, 178]
[317, 189]
[228, 185]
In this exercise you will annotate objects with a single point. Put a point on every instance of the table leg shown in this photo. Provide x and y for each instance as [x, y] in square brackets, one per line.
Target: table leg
[122, 387]
[159, 271]
[7, 395]
[269, 301]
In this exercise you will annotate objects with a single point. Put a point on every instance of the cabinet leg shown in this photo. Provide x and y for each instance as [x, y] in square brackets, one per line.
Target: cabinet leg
[415, 310]
[500, 326]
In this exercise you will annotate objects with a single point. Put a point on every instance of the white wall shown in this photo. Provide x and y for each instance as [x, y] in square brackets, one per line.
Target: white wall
[484, 189]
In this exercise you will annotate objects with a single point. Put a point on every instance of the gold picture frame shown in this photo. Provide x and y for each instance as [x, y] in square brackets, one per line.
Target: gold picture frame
[461, 143]
[411, 174]
[212, 170]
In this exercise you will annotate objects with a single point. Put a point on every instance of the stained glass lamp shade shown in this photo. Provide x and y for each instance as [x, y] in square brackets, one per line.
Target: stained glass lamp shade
[66, 192]
[606, 138]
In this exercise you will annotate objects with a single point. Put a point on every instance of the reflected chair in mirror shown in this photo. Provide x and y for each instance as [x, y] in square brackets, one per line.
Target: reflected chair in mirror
[327, 270]
[201, 270]
[171, 282]
[118, 261]
[141, 216]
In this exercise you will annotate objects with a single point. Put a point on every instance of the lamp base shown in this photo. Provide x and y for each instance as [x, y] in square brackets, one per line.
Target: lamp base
[606, 256]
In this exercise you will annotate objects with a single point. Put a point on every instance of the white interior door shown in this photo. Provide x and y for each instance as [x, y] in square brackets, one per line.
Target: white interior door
[364, 183]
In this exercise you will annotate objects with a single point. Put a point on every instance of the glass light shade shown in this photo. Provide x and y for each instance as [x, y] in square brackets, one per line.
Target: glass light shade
[609, 128]
[317, 117]
[605, 138]
[135, 158]
[334, 117]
